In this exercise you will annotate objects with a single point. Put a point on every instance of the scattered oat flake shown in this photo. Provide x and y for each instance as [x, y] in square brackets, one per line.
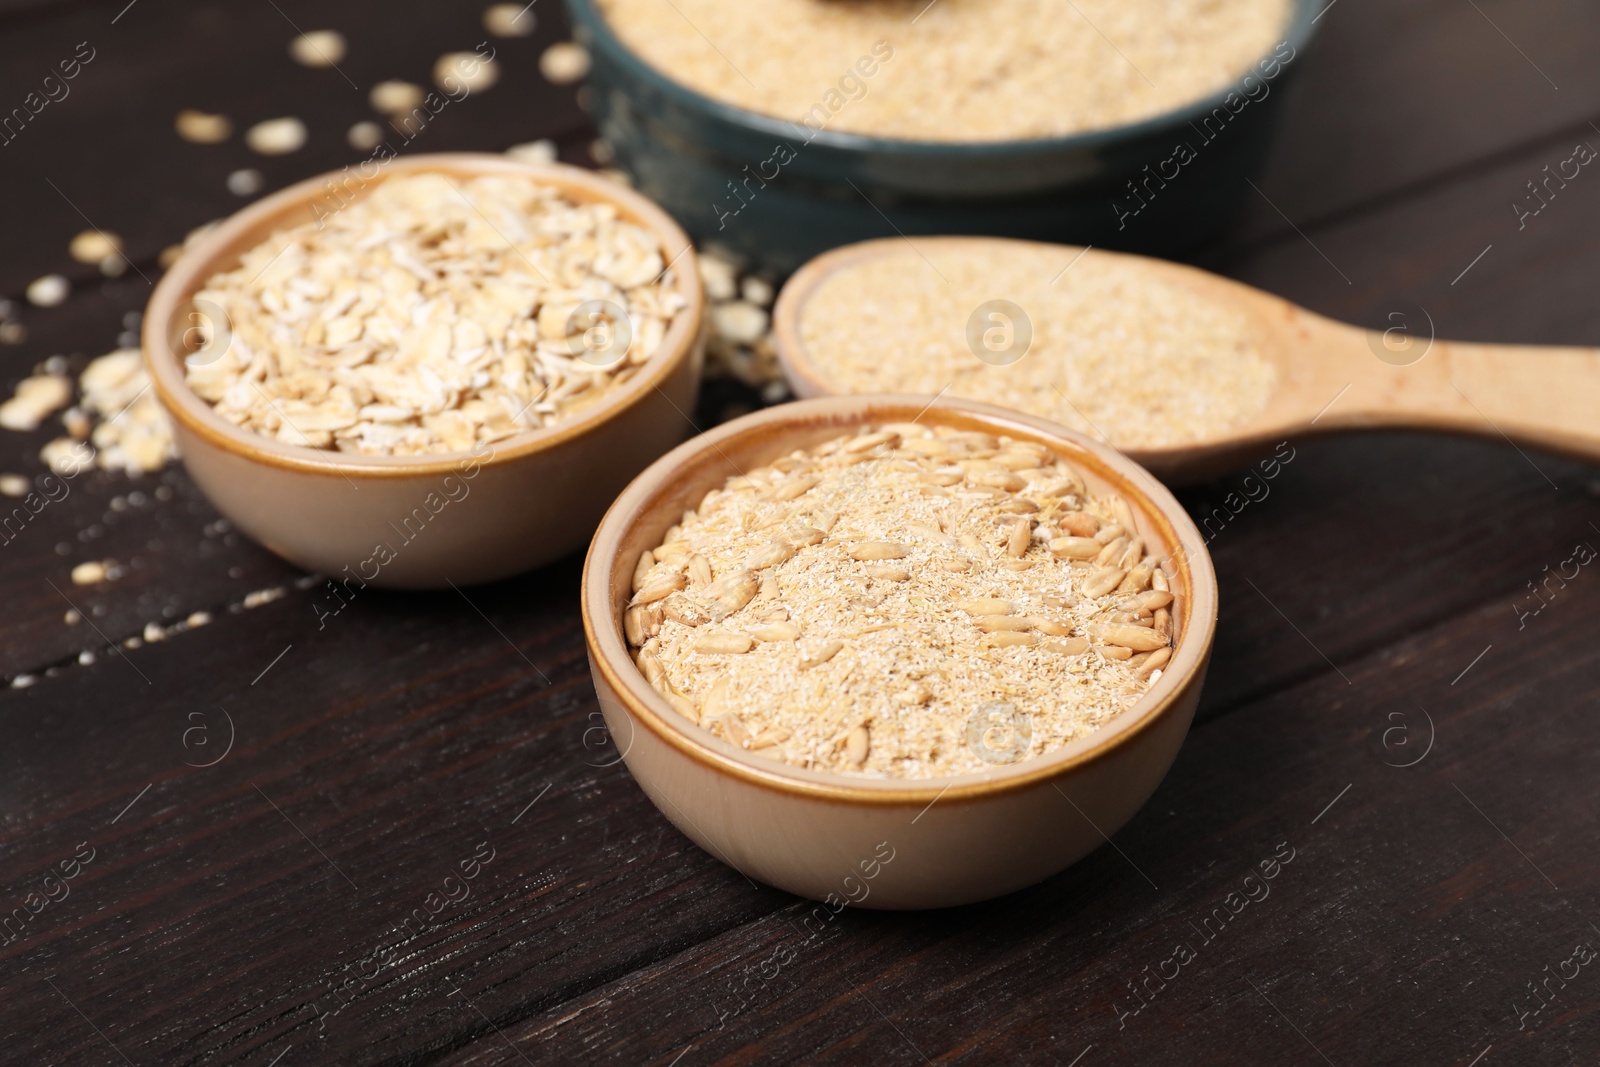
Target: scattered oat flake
[169, 255]
[757, 291]
[153, 633]
[739, 344]
[720, 276]
[201, 127]
[90, 573]
[197, 619]
[66, 457]
[543, 151]
[14, 485]
[318, 48]
[395, 97]
[276, 137]
[263, 596]
[364, 136]
[72, 618]
[48, 291]
[132, 433]
[564, 62]
[22, 681]
[455, 70]
[740, 322]
[94, 246]
[36, 399]
[509, 20]
[77, 423]
[246, 181]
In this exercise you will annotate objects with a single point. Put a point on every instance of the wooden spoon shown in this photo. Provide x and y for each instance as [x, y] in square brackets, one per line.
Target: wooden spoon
[1331, 376]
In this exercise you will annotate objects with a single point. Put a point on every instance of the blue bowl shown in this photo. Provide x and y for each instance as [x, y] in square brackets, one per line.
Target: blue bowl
[774, 194]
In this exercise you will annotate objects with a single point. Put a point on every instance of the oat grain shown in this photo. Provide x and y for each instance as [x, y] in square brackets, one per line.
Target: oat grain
[855, 627]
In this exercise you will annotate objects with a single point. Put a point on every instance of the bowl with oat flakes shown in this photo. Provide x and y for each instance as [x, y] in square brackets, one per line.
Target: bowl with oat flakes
[897, 653]
[438, 369]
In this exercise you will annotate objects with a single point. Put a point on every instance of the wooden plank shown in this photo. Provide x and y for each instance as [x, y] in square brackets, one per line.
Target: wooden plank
[177, 559]
[1395, 95]
[15, 11]
[1363, 539]
[368, 760]
[1367, 527]
[1529, 286]
[425, 730]
[174, 554]
[408, 732]
[83, 156]
[1415, 909]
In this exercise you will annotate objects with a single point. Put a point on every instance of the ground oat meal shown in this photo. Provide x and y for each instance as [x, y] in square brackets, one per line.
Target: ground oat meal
[962, 70]
[435, 314]
[905, 602]
[1115, 353]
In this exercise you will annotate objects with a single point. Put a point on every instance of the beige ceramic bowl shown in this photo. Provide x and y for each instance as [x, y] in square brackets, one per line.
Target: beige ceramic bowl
[889, 844]
[426, 521]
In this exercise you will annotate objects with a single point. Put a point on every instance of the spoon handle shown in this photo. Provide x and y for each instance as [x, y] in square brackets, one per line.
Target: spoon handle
[1548, 396]
[1545, 396]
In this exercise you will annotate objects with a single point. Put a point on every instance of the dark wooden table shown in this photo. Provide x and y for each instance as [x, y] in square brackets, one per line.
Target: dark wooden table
[1377, 709]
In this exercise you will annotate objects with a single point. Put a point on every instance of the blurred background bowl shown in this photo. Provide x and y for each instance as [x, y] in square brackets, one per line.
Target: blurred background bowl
[682, 149]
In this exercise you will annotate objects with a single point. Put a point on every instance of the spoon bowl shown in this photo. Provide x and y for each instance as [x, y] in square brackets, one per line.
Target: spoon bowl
[1330, 376]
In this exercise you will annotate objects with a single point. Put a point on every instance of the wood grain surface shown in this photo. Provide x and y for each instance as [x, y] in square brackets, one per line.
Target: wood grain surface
[252, 807]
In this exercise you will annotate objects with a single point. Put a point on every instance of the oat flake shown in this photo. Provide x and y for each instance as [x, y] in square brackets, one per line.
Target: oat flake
[435, 314]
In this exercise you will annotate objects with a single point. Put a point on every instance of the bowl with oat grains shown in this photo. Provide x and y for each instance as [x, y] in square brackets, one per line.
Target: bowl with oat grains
[441, 371]
[853, 628]
[781, 129]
